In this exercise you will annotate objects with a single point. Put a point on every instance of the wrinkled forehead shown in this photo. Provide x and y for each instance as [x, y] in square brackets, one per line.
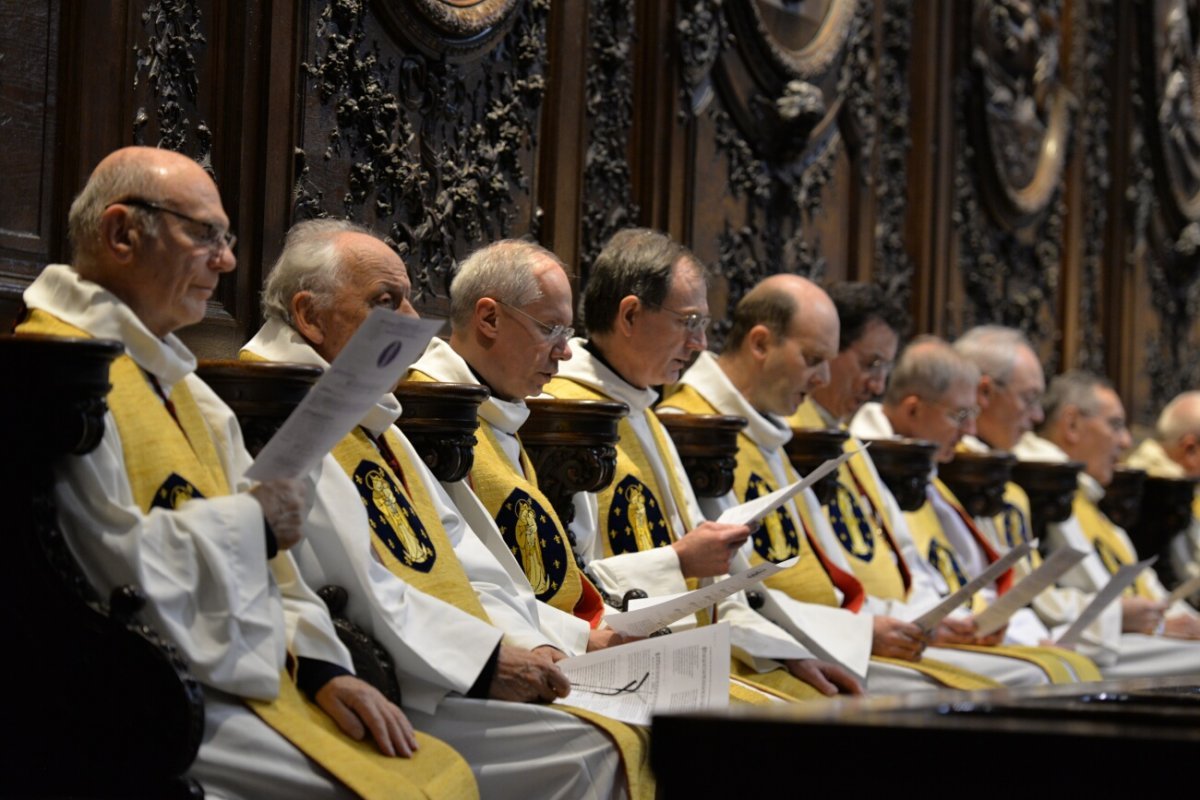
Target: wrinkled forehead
[365, 258]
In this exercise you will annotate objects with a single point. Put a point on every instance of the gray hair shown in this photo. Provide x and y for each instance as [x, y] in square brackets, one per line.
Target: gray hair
[992, 348]
[928, 368]
[502, 271]
[310, 262]
[1077, 388]
[1178, 418]
[121, 180]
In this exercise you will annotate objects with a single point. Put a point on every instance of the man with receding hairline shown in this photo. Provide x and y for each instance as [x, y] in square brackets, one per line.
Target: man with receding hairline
[784, 333]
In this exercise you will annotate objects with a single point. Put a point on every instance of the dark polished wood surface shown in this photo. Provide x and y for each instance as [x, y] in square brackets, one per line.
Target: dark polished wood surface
[1122, 500]
[440, 420]
[707, 445]
[1051, 488]
[809, 449]
[978, 480]
[905, 466]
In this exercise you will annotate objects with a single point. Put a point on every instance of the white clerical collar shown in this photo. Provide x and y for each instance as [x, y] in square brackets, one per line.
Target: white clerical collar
[278, 341]
[442, 363]
[974, 444]
[585, 368]
[768, 431]
[871, 423]
[60, 291]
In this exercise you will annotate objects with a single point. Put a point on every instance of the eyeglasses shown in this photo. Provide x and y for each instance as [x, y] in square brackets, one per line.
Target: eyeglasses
[553, 333]
[961, 416]
[613, 691]
[877, 367]
[213, 237]
[695, 322]
[1028, 399]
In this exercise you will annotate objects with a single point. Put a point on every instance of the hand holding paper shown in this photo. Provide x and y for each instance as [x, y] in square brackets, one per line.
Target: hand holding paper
[755, 510]
[1123, 579]
[929, 620]
[995, 616]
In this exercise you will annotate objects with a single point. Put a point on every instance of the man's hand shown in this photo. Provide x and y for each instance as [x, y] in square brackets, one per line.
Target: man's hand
[1141, 615]
[284, 506]
[955, 630]
[525, 676]
[828, 679]
[605, 636]
[896, 639]
[358, 707]
[705, 551]
[1182, 626]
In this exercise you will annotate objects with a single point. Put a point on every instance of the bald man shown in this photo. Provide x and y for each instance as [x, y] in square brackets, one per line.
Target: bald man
[784, 334]
[1174, 452]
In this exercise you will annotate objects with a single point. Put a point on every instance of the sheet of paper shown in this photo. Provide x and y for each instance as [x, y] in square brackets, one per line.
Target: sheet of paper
[754, 510]
[1122, 580]
[1185, 589]
[827, 631]
[369, 365]
[992, 618]
[657, 615]
[929, 620]
[686, 671]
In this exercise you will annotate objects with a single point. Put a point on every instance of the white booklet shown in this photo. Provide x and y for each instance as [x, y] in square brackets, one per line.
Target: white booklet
[930, 619]
[995, 616]
[686, 671]
[755, 510]
[1123, 579]
[369, 365]
[651, 616]
[1185, 589]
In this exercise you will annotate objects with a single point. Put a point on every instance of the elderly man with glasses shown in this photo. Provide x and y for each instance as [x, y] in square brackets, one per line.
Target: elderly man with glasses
[1085, 422]
[646, 308]
[932, 396]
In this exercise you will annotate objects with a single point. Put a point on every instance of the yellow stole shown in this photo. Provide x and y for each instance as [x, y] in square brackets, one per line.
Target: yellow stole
[857, 517]
[172, 460]
[634, 487]
[1114, 552]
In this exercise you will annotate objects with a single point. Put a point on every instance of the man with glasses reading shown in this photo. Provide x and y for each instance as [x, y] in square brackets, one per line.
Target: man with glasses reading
[646, 309]
[1085, 422]
[932, 396]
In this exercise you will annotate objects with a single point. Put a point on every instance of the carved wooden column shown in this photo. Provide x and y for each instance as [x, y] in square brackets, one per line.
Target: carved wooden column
[707, 445]
[904, 465]
[440, 420]
[1122, 500]
[809, 449]
[1051, 487]
[978, 480]
[571, 444]
[98, 702]
[263, 395]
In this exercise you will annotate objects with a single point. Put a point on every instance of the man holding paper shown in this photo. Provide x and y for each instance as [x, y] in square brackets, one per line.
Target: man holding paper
[464, 629]
[162, 504]
[932, 396]
[1085, 421]
[646, 309]
[784, 333]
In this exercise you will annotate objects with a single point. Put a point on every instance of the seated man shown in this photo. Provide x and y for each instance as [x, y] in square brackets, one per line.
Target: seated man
[1174, 452]
[783, 334]
[1085, 422]
[870, 532]
[932, 396]
[510, 314]
[646, 312]
[461, 626]
[1011, 386]
[161, 504]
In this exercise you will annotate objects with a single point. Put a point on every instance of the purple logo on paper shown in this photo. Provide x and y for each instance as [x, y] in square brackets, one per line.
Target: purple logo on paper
[389, 353]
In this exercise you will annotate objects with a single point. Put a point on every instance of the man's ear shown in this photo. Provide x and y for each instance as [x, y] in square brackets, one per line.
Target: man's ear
[910, 407]
[306, 317]
[627, 312]
[758, 341]
[1071, 424]
[119, 235]
[984, 392]
[486, 318]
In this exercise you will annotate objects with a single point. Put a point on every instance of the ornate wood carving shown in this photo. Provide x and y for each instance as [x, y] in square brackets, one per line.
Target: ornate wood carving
[167, 60]
[371, 662]
[440, 420]
[607, 184]
[1123, 497]
[1051, 488]
[1014, 122]
[262, 395]
[433, 139]
[106, 705]
[707, 445]
[1171, 501]
[808, 449]
[978, 480]
[905, 466]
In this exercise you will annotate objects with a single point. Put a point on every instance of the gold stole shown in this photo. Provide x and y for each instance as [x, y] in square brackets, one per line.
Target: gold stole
[859, 521]
[170, 462]
[781, 535]
[1114, 552]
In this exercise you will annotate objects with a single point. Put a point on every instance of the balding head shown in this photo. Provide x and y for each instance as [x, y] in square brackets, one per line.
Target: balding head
[1178, 431]
[785, 331]
[931, 394]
